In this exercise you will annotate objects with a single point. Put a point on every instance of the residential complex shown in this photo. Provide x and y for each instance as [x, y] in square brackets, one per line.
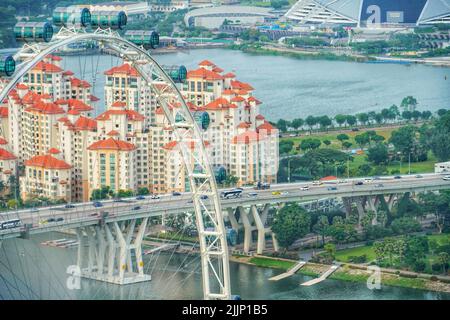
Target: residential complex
[50, 138]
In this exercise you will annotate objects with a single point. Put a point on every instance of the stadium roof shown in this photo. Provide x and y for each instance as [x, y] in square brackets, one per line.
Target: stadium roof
[357, 12]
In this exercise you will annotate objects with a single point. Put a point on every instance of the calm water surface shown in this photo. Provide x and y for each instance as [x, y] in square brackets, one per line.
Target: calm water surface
[292, 88]
[29, 270]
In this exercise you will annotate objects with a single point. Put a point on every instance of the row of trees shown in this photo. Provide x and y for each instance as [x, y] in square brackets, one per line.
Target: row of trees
[392, 114]
[106, 192]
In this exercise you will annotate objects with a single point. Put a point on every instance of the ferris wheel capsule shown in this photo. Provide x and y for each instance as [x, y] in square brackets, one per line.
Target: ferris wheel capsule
[33, 31]
[7, 65]
[147, 39]
[177, 73]
[71, 16]
[108, 19]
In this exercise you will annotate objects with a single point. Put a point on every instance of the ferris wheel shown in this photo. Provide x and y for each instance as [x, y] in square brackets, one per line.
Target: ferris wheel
[79, 25]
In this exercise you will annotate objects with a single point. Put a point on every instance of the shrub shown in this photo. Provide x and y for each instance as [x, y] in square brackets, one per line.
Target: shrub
[358, 259]
[419, 266]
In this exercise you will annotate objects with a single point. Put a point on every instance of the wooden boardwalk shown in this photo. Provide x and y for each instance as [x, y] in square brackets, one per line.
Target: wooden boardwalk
[322, 277]
[290, 272]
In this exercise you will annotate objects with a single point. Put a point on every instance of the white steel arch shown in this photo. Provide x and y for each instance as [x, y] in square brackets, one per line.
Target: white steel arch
[210, 225]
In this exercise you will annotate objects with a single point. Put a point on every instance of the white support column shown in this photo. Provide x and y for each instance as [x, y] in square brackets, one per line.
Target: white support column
[373, 205]
[101, 250]
[119, 268]
[247, 229]
[261, 231]
[112, 248]
[138, 246]
[81, 245]
[234, 223]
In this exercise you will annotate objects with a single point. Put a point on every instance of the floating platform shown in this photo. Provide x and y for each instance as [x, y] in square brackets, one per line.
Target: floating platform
[322, 277]
[289, 273]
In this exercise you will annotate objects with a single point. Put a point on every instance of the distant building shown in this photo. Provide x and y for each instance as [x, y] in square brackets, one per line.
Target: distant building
[169, 6]
[373, 13]
[214, 17]
[134, 10]
[442, 167]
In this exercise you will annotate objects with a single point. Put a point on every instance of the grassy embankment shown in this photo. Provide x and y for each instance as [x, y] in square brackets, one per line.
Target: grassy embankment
[351, 273]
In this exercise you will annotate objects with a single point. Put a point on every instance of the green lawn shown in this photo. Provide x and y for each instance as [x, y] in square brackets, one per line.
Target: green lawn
[336, 144]
[272, 263]
[344, 255]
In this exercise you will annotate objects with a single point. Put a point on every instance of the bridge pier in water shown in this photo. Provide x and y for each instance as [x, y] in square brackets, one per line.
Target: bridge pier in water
[109, 252]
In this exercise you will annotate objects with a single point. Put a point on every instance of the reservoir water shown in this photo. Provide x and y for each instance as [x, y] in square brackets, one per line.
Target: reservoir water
[29, 270]
[291, 88]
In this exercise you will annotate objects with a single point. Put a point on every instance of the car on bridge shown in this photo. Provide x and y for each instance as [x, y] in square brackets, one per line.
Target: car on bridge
[332, 188]
[380, 185]
[359, 183]
[59, 219]
[69, 206]
[97, 204]
[276, 193]
[397, 177]
[176, 193]
[154, 197]
[252, 195]
[140, 198]
[137, 208]
[446, 178]
[304, 188]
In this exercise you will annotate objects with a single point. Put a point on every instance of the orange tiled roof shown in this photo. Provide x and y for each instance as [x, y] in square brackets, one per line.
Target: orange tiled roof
[53, 57]
[235, 84]
[229, 75]
[78, 105]
[68, 73]
[245, 137]
[123, 69]
[47, 67]
[84, 123]
[4, 112]
[237, 99]
[53, 151]
[243, 125]
[3, 141]
[45, 108]
[22, 86]
[119, 104]
[206, 63]
[75, 82]
[267, 127]
[260, 117]
[48, 162]
[219, 103]
[131, 115]
[253, 99]
[6, 155]
[112, 144]
[204, 74]
[93, 98]
[73, 112]
[217, 69]
[113, 133]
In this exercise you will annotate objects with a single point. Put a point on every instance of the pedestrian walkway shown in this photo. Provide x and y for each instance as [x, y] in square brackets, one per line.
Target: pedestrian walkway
[322, 277]
[290, 272]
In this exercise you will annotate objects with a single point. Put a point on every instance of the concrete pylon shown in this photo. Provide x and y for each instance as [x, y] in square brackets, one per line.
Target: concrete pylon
[109, 256]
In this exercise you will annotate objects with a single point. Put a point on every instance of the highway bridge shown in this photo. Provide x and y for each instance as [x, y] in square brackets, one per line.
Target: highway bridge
[115, 222]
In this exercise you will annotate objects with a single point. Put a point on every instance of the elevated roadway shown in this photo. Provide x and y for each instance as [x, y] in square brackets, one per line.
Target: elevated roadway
[35, 221]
